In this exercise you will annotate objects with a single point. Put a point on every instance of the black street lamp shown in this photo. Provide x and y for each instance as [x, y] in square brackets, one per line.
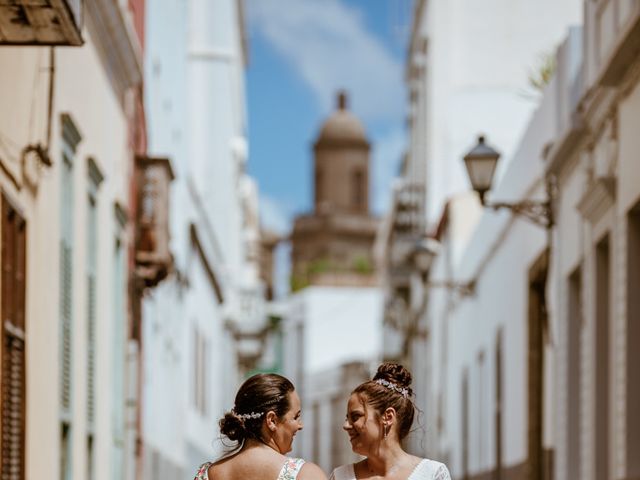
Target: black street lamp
[481, 164]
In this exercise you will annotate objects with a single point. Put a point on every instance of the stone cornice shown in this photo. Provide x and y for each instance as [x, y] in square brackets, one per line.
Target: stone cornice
[117, 42]
[598, 197]
[625, 52]
[563, 149]
[212, 274]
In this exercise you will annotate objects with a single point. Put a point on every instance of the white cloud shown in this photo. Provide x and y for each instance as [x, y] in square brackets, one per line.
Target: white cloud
[275, 216]
[387, 152]
[328, 44]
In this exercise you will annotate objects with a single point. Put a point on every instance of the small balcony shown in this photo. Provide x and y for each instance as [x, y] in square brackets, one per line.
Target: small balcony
[409, 209]
[41, 22]
[153, 256]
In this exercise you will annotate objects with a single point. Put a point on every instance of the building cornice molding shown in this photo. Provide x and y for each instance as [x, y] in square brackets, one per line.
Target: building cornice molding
[212, 275]
[117, 41]
[598, 198]
[339, 144]
[95, 174]
[624, 52]
[564, 148]
[214, 54]
[70, 132]
[417, 44]
[120, 214]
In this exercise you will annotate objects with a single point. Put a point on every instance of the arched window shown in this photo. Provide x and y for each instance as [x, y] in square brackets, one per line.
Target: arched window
[357, 188]
[318, 186]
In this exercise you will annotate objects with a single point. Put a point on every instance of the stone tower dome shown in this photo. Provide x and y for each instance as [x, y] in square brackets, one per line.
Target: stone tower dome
[342, 128]
[333, 245]
[342, 163]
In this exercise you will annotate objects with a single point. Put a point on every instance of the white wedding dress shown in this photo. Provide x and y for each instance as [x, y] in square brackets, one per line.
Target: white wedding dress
[425, 470]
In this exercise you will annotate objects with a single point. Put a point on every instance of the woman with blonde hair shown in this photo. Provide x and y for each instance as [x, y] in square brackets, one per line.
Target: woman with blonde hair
[379, 415]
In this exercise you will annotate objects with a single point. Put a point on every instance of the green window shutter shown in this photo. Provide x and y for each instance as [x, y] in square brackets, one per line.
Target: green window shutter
[119, 342]
[70, 139]
[91, 349]
[92, 266]
[66, 289]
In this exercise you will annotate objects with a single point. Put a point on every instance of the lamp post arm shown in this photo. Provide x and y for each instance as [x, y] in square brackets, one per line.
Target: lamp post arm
[463, 289]
[539, 212]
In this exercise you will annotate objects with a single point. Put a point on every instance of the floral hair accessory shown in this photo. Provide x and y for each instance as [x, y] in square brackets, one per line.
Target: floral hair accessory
[248, 416]
[392, 386]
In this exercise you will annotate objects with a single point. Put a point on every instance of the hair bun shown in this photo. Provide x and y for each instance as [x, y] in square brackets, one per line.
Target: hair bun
[232, 426]
[395, 373]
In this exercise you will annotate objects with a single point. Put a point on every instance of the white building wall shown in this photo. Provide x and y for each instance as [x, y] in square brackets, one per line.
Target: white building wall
[478, 60]
[195, 104]
[24, 87]
[498, 256]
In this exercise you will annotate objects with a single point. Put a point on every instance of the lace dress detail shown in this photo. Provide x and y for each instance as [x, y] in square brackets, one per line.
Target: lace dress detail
[442, 473]
[425, 470]
[289, 470]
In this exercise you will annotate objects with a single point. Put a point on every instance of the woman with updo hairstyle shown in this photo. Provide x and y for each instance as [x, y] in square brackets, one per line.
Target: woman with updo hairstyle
[380, 414]
[262, 423]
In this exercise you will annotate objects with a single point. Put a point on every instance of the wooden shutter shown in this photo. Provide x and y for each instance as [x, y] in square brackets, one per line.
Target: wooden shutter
[13, 379]
[119, 338]
[66, 290]
[92, 267]
[66, 326]
[91, 349]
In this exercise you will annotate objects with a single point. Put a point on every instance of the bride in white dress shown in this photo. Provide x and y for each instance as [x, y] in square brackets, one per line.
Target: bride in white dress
[379, 415]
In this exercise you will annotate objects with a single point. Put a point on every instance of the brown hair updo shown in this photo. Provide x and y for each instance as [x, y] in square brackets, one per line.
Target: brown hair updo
[381, 397]
[259, 394]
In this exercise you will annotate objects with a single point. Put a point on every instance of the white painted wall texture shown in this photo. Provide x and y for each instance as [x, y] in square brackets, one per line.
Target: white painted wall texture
[197, 117]
[477, 62]
[24, 87]
[592, 152]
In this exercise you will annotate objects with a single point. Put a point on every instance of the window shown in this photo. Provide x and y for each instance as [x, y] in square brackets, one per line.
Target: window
[319, 187]
[119, 342]
[358, 189]
[71, 138]
[95, 178]
[539, 460]
[65, 451]
[498, 407]
[603, 286]
[14, 338]
[574, 408]
[632, 350]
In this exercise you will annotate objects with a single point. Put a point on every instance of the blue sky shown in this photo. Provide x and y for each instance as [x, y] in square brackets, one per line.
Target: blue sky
[301, 52]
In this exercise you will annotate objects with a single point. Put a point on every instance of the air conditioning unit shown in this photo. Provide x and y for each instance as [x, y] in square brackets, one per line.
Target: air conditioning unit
[42, 22]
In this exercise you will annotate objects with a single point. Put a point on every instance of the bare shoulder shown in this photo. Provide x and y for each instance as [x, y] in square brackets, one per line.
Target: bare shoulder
[311, 471]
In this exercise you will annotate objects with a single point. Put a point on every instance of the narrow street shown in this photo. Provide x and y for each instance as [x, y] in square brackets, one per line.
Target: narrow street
[194, 192]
